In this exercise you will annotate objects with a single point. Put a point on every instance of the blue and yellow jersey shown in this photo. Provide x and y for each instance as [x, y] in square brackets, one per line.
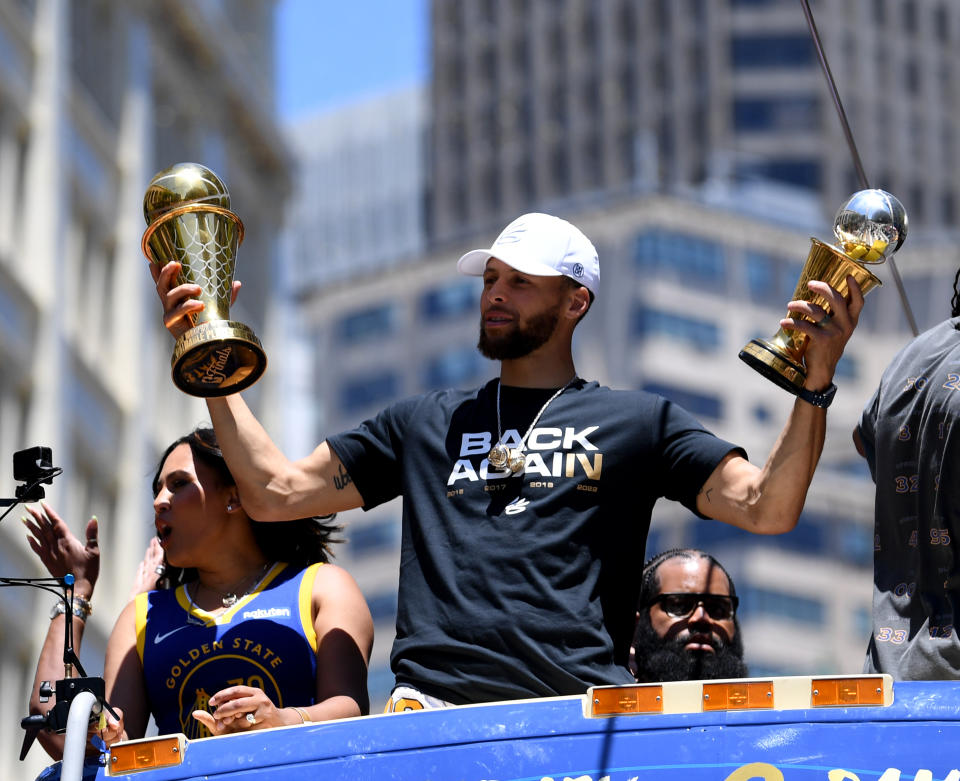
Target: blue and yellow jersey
[266, 640]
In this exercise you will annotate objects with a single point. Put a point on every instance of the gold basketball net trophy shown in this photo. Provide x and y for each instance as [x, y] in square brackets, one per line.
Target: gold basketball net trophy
[187, 209]
[869, 228]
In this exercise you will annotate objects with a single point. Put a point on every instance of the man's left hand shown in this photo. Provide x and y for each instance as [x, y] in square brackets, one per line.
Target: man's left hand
[828, 334]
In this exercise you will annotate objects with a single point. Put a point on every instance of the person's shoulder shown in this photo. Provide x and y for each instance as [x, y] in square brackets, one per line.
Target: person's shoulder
[594, 392]
[331, 581]
[944, 337]
[444, 398]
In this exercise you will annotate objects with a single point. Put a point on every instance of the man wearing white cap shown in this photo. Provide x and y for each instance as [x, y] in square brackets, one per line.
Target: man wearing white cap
[528, 500]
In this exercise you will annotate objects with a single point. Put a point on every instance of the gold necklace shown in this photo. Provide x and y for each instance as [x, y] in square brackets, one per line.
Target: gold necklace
[230, 597]
[513, 458]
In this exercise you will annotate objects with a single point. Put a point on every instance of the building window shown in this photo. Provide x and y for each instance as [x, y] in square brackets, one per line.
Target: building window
[709, 535]
[847, 368]
[366, 325]
[383, 606]
[854, 542]
[701, 405]
[688, 258]
[362, 392]
[456, 368]
[452, 301]
[699, 334]
[800, 173]
[761, 601]
[375, 537]
[771, 51]
[776, 113]
[771, 279]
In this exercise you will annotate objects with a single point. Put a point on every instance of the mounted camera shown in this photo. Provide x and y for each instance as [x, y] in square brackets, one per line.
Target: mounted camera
[32, 467]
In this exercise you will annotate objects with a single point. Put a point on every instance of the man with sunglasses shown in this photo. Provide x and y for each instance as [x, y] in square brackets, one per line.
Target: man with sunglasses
[686, 620]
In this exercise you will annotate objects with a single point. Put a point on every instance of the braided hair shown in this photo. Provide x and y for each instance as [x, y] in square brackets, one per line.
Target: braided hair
[299, 543]
[650, 582]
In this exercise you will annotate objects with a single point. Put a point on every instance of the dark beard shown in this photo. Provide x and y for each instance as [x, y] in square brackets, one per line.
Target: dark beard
[667, 660]
[519, 342]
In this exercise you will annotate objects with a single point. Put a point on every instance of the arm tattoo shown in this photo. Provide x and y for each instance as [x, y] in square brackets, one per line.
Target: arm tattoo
[342, 479]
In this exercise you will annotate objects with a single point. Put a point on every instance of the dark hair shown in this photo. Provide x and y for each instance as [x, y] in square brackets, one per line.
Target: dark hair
[650, 582]
[955, 301]
[299, 543]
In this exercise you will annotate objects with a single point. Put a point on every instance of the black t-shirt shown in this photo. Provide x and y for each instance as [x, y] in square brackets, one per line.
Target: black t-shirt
[523, 586]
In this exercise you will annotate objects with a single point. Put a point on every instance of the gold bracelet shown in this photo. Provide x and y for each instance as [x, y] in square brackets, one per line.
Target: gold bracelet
[304, 716]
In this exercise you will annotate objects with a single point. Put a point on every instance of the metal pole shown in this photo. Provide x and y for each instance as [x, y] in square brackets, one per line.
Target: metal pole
[857, 163]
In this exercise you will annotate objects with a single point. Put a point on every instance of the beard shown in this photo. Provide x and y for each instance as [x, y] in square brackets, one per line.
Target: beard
[519, 341]
[667, 660]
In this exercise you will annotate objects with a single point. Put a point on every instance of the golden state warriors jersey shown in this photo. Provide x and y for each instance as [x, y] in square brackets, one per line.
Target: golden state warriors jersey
[266, 640]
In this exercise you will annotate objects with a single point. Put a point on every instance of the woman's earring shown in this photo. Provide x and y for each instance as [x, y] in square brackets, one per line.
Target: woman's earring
[229, 508]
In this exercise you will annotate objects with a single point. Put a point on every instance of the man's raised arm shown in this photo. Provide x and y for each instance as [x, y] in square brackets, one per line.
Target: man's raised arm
[769, 500]
[271, 486]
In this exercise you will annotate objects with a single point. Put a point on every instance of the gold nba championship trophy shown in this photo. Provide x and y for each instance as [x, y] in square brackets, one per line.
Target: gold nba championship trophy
[869, 228]
[187, 209]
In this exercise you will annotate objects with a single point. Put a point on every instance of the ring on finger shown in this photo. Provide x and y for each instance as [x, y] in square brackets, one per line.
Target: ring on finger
[251, 719]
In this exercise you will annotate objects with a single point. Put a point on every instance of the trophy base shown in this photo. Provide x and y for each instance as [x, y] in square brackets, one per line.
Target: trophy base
[764, 357]
[217, 358]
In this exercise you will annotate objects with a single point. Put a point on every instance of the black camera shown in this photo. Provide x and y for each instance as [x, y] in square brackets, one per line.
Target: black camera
[32, 467]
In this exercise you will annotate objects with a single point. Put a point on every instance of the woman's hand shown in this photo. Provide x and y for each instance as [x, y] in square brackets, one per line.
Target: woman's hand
[243, 708]
[113, 730]
[61, 552]
[149, 569]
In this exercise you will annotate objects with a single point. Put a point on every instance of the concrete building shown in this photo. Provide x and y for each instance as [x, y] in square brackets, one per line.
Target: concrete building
[553, 103]
[95, 97]
[361, 178]
[358, 208]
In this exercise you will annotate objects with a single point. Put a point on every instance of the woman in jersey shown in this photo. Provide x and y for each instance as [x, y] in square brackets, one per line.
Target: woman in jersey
[253, 630]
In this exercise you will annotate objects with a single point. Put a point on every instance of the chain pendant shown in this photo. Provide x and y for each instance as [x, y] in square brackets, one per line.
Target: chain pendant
[517, 461]
[498, 456]
[229, 600]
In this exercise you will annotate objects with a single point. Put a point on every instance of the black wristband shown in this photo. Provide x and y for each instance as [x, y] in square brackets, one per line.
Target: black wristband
[822, 399]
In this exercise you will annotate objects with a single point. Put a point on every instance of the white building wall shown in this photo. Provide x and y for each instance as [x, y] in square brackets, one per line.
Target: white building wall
[95, 97]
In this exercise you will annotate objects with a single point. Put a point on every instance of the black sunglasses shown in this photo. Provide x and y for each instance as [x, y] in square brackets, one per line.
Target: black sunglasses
[682, 604]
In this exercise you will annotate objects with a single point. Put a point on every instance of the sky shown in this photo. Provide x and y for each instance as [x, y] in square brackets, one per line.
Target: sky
[333, 52]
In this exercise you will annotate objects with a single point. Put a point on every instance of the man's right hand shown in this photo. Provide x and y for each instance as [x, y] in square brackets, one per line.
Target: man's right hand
[179, 301]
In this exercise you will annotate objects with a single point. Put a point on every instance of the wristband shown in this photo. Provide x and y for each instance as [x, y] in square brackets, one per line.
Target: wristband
[822, 399]
[81, 608]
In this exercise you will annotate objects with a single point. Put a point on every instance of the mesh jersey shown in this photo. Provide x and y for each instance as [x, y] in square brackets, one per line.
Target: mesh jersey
[265, 640]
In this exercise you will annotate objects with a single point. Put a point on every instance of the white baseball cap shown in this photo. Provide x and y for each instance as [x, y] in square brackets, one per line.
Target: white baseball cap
[541, 245]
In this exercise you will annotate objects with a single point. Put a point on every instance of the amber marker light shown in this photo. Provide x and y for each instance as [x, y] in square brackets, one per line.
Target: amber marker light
[627, 699]
[148, 754]
[789, 692]
[738, 695]
[846, 692]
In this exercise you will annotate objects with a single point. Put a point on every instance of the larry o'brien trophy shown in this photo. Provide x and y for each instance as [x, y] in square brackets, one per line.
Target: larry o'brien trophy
[187, 209]
[869, 228]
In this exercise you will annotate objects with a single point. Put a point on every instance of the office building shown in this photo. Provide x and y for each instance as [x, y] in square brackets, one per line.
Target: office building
[95, 97]
[547, 104]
